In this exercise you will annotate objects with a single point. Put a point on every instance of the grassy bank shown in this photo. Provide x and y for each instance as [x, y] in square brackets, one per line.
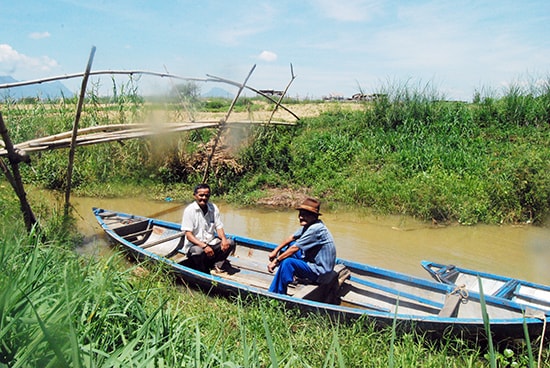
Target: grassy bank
[60, 309]
[488, 161]
[407, 152]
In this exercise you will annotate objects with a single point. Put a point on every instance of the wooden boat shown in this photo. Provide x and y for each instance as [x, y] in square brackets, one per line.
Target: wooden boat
[355, 290]
[503, 287]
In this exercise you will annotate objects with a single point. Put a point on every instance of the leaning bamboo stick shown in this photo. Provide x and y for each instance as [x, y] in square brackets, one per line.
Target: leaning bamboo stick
[91, 130]
[222, 123]
[100, 138]
[283, 94]
[14, 177]
[75, 130]
[80, 131]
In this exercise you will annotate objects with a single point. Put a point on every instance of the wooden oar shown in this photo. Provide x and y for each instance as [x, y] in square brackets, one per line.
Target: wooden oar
[168, 210]
[168, 238]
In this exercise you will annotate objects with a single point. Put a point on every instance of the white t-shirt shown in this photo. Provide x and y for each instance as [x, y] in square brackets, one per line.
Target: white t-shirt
[203, 226]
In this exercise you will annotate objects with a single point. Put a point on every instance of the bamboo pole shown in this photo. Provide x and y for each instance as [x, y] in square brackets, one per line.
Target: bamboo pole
[222, 124]
[99, 72]
[15, 177]
[75, 130]
[115, 132]
[93, 129]
[283, 94]
[211, 78]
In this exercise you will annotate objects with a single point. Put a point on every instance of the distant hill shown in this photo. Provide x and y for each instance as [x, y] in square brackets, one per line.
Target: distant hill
[49, 90]
[217, 92]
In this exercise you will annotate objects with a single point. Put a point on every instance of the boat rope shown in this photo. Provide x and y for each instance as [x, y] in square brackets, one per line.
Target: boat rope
[462, 292]
[541, 342]
[529, 312]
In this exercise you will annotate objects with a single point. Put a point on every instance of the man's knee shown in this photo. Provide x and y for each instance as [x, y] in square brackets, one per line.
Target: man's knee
[232, 245]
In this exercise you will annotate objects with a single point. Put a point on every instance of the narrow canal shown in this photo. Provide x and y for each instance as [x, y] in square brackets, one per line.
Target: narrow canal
[394, 242]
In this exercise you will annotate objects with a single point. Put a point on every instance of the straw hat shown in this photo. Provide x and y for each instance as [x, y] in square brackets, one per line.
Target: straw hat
[311, 205]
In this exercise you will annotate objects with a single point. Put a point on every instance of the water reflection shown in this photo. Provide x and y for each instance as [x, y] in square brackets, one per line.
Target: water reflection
[394, 242]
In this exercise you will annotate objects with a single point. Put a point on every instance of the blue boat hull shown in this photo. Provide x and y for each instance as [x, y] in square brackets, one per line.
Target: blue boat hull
[377, 295]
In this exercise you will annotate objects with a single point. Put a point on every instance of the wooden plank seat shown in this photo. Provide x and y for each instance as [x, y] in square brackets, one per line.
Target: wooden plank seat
[326, 287]
[450, 307]
[248, 264]
[135, 232]
[128, 230]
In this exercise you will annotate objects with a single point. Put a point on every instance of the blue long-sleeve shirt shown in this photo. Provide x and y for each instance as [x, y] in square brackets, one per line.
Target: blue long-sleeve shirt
[317, 246]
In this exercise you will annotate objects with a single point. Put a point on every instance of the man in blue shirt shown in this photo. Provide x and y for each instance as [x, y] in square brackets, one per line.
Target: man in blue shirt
[311, 251]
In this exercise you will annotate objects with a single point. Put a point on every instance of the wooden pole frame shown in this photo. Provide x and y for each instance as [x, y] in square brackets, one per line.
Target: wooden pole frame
[211, 78]
[15, 157]
[15, 177]
[283, 94]
[75, 131]
[222, 124]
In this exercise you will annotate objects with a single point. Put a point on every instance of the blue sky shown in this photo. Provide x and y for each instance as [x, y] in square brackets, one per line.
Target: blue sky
[336, 47]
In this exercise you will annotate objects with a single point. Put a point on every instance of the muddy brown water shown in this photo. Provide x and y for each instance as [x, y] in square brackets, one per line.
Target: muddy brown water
[395, 242]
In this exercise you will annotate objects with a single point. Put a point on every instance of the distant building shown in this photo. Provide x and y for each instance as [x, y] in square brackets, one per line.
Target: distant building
[366, 97]
[334, 97]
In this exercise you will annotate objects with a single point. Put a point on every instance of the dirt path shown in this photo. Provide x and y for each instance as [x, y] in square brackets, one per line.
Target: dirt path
[302, 110]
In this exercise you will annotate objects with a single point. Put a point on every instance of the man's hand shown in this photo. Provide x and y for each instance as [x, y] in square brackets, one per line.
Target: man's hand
[271, 266]
[209, 251]
[272, 255]
[225, 244]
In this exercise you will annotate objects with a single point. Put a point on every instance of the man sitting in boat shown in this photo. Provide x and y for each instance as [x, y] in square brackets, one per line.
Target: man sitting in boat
[205, 244]
[311, 251]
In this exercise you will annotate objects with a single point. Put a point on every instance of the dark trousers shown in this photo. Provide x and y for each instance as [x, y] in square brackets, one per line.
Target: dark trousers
[201, 262]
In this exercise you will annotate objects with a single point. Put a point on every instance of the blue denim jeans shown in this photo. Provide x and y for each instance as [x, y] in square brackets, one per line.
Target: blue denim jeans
[288, 268]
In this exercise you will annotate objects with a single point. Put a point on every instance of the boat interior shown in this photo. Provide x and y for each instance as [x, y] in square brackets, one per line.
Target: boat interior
[352, 287]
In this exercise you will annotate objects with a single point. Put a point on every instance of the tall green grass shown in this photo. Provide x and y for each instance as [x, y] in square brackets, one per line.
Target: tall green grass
[411, 152]
[407, 152]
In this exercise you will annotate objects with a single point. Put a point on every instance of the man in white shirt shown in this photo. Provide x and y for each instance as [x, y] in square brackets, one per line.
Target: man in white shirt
[206, 245]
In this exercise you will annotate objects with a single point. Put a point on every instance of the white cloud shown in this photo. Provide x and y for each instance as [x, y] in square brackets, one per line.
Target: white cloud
[39, 35]
[11, 61]
[267, 56]
[8, 54]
